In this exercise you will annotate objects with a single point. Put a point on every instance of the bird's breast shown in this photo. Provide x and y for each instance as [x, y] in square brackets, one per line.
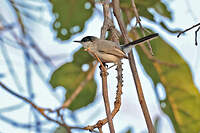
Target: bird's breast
[108, 58]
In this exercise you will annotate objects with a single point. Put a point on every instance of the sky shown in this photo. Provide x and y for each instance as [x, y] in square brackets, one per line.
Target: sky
[185, 14]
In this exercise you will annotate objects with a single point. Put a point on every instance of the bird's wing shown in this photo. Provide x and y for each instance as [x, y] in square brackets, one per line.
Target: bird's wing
[112, 48]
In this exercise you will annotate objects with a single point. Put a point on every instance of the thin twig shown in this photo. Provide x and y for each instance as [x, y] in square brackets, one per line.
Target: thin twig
[196, 36]
[117, 103]
[39, 109]
[138, 20]
[116, 9]
[10, 67]
[188, 29]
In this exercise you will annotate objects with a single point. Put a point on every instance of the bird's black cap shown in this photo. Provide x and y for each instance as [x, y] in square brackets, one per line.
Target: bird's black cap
[87, 39]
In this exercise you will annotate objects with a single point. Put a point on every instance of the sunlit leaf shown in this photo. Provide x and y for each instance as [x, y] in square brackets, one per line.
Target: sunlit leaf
[182, 103]
[70, 75]
[70, 16]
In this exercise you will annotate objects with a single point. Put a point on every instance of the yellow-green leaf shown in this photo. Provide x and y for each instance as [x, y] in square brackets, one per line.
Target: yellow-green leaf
[182, 103]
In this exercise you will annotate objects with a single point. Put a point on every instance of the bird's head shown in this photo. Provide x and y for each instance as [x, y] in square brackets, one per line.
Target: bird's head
[87, 40]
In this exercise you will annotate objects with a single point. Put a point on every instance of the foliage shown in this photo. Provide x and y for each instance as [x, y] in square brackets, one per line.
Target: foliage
[70, 16]
[70, 75]
[182, 100]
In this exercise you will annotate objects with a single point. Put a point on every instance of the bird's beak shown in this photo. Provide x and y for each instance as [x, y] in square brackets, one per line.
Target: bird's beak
[78, 41]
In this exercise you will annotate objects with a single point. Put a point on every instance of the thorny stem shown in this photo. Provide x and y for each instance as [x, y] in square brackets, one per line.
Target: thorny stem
[105, 93]
[105, 27]
[138, 85]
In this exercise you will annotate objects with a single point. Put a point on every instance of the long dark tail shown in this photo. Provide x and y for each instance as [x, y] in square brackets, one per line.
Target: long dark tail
[127, 47]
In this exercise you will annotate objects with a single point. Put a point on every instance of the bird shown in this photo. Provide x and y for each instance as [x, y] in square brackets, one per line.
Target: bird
[108, 51]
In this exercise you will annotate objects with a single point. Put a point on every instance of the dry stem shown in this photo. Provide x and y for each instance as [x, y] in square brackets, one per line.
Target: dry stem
[141, 27]
[138, 85]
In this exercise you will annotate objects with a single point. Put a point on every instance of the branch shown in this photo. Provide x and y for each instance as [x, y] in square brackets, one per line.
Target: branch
[104, 29]
[196, 35]
[141, 27]
[106, 100]
[138, 85]
[188, 29]
[105, 92]
[40, 110]
[10, 67]
[117, 103]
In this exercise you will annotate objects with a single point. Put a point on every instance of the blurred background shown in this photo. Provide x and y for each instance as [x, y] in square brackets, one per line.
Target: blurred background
[39, 60]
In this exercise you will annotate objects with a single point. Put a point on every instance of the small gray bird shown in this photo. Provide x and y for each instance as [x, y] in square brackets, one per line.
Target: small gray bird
[109, 51]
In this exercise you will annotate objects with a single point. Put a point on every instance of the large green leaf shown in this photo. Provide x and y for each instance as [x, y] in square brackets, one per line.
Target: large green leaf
[70, 16]
[70, 75]
[182, 103]
[145, 8]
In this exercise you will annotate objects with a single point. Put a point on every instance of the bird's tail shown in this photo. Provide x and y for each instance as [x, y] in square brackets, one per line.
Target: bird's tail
[127, 47]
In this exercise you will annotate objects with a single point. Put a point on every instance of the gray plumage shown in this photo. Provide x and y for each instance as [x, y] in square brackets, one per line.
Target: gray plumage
[108, 51]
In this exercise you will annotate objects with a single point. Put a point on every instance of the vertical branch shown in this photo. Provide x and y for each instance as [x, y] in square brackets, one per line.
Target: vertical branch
[196, 35]
[106, 100]
[104, 28]
[138, 85]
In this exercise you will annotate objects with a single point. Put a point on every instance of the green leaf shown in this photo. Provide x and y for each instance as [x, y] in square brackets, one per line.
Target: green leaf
[143, 8]
[70, 16]
[161, 9]
[182, 103]
[70, 75]
[129, 131]
[60, 130]
[82, 57]
[168, 29]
